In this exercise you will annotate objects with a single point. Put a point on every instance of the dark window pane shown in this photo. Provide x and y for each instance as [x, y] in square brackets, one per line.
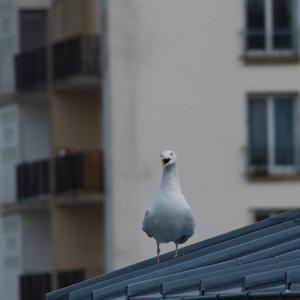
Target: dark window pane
[255, 33]
[255, 15]
[282, 24]
[255, 41]
[264, 214]
[284, 141]
[33, 29]
[282, 41]
[257, 131]
[282, 14]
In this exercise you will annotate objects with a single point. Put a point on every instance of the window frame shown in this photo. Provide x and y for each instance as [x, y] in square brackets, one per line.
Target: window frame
[260, 214]
[269, 32]
[271, 167]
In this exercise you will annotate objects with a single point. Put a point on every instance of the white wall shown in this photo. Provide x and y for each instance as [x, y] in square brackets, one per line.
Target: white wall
[177, 82]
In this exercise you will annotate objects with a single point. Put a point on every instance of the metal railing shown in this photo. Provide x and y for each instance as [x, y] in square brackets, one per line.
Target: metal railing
[34, 286]
[74, 172]
[31, 69]
[33, 179]
[66, 278]
[81, 172]
[76, 56]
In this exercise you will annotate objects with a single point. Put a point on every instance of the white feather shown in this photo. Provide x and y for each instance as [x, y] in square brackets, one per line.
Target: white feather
[169, 217]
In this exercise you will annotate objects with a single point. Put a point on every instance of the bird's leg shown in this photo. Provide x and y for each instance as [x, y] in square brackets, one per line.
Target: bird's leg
[157, 251]
[176, 251]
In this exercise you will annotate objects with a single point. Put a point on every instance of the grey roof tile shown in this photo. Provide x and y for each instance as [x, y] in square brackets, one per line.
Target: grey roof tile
[258, 260]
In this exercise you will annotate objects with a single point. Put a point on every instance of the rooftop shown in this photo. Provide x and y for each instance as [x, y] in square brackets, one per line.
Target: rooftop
[261, 260]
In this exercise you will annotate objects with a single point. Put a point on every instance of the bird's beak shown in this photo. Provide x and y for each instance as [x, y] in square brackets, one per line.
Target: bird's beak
[165, 160]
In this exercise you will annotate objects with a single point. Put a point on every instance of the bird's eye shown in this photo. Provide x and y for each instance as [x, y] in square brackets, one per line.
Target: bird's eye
[171, 153]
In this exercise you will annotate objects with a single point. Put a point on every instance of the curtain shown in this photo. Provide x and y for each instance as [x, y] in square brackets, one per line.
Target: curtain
[258, 131]
[284, 131]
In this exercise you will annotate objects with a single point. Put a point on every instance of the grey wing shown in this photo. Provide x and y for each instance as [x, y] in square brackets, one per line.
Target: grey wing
[144, 227]
[188, 227]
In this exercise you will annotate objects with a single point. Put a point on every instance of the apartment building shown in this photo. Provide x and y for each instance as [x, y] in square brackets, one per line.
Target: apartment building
[216, 81]
[51, 173]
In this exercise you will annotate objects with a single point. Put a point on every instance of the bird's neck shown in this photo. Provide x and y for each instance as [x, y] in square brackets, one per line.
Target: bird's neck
[170, 178]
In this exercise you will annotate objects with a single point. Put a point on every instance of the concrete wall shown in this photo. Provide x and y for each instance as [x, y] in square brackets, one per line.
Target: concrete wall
[36, 242]
[8, 45]
[34, 4]
[11, 239]
[78, 244]
[9, 151]
[177, 82]
[34, 130]
[2, 274]
[69, 18]
[75, 119]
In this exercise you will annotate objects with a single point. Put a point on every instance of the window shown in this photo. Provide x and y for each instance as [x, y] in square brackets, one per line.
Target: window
[262, 214]
[270, 26]
[271, 134]
[33, 29]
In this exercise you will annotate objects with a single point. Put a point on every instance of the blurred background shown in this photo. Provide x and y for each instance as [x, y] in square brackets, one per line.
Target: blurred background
[91, 91]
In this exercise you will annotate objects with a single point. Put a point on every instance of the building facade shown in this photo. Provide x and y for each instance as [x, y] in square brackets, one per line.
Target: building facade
[51, 178]
[216, 81]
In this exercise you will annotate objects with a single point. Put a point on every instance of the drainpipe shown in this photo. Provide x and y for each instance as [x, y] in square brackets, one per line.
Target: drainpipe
[106, 135]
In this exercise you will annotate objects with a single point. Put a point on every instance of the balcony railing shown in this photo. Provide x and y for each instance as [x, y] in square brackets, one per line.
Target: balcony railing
[73, 173]
[33, 179]
[34, 286]
[81, 172]
[31, 69]
[76, 56]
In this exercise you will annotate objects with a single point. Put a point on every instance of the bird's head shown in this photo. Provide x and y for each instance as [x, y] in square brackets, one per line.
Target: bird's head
[168, 158]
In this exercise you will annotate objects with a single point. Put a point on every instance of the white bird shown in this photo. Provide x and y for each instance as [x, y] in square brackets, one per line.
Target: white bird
[169, 217]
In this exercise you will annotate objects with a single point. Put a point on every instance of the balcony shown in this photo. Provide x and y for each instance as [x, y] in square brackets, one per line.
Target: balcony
[34, 285]
[31, 69]
[33, 180]
[261, 47]
[76, 58]
[79, 172]
[74, 174]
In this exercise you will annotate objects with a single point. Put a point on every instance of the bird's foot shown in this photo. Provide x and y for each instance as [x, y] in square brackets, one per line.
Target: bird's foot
[178, 254]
